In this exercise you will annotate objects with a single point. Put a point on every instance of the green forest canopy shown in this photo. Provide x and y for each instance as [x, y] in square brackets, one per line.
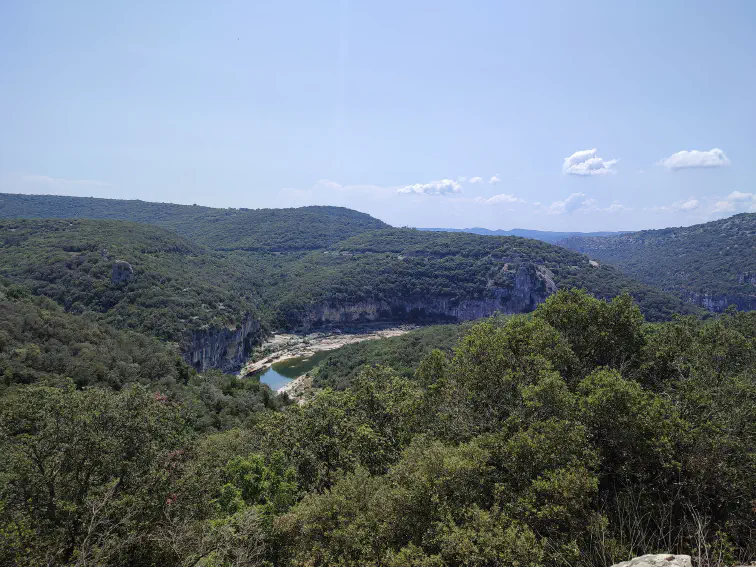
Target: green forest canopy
[578, 435]
[178, 286]
[717, 257]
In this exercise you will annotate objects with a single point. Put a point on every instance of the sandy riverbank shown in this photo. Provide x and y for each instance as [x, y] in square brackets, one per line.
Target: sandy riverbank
[285, 346]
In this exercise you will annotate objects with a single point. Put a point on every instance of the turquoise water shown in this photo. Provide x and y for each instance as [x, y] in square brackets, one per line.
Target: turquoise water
[281, 373]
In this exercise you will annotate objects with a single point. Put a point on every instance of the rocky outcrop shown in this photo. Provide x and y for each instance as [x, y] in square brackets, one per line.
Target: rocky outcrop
[122, 272]
[515, 290]
[223, 348]
[527, 287]
[663, 560]
[748, 278]
[719, 302]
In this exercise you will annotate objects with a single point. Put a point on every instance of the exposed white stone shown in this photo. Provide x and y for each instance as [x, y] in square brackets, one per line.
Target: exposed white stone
[662, 560]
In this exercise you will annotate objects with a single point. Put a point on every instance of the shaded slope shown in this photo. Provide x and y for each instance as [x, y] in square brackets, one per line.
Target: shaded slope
[472, 276]
[304, 228]
[711, 264]
[141, 277]
[549, 236]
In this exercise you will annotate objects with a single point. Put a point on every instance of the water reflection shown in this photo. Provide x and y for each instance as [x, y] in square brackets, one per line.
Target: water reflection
[281, 373]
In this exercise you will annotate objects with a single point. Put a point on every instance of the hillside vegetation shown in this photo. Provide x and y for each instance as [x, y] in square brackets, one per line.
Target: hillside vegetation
[304, 228]
[477, 262]
[578, 435]
[404, 353]
[42, 344]
[154, 281]
[716, 258]
[550, 236]
[169, 285]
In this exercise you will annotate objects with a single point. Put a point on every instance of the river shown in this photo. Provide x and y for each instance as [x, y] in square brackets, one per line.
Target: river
[281, 373]
[284, 358]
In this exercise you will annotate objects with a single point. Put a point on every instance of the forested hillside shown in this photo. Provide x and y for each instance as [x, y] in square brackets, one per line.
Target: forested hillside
[711, 264]
[217, 303]
[304, 228]
[481, 263]
[550, 236]
[142, 277]
[578, 435]
[403, 354]
[42, 344]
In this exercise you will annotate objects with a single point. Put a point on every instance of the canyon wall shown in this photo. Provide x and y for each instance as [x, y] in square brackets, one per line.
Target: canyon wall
[718, 302]
[222, 348]
[529, 288]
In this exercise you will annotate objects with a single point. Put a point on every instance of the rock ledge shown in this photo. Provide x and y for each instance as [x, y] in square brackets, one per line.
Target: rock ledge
[662, 560]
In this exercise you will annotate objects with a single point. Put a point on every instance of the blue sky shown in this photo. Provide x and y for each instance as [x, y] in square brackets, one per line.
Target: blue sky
[405, 110]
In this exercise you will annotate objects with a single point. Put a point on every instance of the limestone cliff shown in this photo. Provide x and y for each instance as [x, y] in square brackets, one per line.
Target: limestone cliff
[514, 290]
[719, 302]
[519, 292]
[222, 348]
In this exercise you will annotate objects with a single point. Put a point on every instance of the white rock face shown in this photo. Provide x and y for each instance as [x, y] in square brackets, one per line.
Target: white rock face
[664, 560]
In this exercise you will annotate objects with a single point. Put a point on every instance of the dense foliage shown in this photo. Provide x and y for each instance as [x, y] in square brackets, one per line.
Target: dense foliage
[42, 344]
[550, 236]
[403, 354]
[304, 228]
[712, 258]
[469, 265]
[172, 287]
[578, 435]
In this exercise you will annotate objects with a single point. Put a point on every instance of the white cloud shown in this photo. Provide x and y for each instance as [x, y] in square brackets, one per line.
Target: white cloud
[586, 162]
[581, 203]
[476, 179]
[695, 159]
[736, 202]
[615, 208]
[328, 184]
[574, 202]
[494, 179]
[443, 187]
[738, 196]
[689, 205]
[724, 207]
[686, 206]
[499, 199]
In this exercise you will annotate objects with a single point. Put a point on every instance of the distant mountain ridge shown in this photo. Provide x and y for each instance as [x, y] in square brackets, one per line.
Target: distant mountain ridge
[216, 280]
[552, 237]
[274, 230]
[712, 264]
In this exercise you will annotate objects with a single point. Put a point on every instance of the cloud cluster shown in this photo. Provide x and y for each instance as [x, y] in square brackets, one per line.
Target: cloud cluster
[476, 179]
[587, 162]
[442, 187]
[686, 206]
[494, 179]
[500, 199]
[736, 202]
[573, 203]
[695, 159]
[328, 184]
[581, 203]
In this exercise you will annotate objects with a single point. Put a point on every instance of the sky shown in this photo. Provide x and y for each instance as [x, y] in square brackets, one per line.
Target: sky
[543, 115]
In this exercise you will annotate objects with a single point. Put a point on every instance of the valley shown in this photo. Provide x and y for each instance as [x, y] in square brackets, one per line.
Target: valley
[218, 298]
[711, 265]
[296, 387]
[283, 358]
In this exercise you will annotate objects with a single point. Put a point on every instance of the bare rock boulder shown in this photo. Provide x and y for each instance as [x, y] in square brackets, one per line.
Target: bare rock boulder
[662, 560]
